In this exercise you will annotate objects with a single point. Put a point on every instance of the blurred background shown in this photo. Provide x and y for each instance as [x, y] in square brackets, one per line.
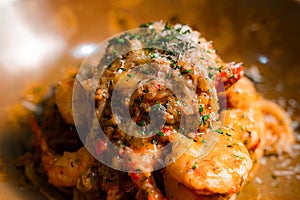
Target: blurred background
[41, 40]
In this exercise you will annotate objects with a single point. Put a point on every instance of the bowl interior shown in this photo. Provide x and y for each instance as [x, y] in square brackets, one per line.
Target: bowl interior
[264, 35]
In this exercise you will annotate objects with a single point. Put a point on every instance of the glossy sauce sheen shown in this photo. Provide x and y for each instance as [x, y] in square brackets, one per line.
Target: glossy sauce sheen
[241, 31]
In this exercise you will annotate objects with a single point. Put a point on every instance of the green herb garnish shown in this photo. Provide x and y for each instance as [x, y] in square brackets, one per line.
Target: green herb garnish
[169, 75]
[228, 134]
[167, 26]
[115, 53]
[119, 40]
[153, 141]
[200, 108]
[159, 133]
[146, 25]
[187, 31]
[178, 112]
[142, 123]
[178, 67]
[152, 55]
[179, 29]
[219, 130]
[203, 119]
[238, 156]
[195, 166]
[121, 68]
[187, 71]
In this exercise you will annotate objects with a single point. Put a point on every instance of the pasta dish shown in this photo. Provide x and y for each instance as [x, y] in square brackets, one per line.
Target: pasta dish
[178, 123]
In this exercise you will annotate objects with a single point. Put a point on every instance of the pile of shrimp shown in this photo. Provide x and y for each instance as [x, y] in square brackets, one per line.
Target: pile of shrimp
[245, 133]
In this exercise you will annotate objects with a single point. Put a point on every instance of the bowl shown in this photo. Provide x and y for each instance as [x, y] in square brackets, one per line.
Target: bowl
[42, 40]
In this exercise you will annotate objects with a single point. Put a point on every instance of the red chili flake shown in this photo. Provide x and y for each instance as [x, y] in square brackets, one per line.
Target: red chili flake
[228, 77]
[138, 119]
[157, 86]
[255, 146]
[135, 108]
[135, 176]
[101, 146]
[166, 129]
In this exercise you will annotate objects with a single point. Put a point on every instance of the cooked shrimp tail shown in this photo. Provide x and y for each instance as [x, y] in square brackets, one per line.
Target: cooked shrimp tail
[62, 170]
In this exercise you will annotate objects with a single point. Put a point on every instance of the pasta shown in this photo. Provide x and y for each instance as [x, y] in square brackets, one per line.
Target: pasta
[245, 127]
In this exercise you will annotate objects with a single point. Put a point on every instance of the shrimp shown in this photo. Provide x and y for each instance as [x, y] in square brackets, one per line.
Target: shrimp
[70, 169]
[279, 134]
[245, 116]
[233, 159]
[62, 170]
[63, 99]
[248, 124]
[260, 123]
[223, 171]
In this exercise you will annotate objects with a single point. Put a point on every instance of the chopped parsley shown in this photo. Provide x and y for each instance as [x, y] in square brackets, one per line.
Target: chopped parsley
[219, 130]
[178, 112]
[130, 75]
[187, 31]
[179, 29]
[145, 71]
[200, 108]
[177, 67]
[204, 142]
[187, 71]
[141, 132]
[231, 77]
[167, 26]
[146, 25]
[142, 123]
[121, 68]
[119, 40]
[203, 119]
[211, 75]
[159, 133]
[140, 100]
[238, 156]
[169, 75]
[206, 117]
[115, 53]
[195, 166]
[153, 141]
[152, 55]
